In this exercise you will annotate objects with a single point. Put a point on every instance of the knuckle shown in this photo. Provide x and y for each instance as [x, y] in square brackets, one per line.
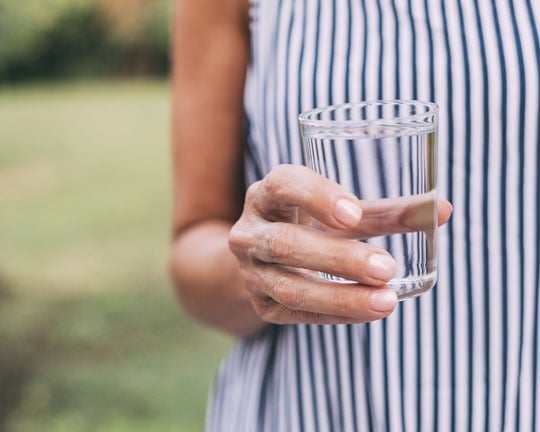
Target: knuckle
[288, 294]
[279, 314]
[280, 171]
[262, 306]
[342, 302]
[253, 191]
[277, 284]
[249, 279]
[281, 242]
[270, 311]
[276, 180]
[238, 238]
[307, 317]
[350, 260]
[244, 238]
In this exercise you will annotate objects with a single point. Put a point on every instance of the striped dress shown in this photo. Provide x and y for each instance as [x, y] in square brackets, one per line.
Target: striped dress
[465, 356]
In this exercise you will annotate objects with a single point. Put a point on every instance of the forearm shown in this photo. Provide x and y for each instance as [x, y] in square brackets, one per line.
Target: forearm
[207, 278]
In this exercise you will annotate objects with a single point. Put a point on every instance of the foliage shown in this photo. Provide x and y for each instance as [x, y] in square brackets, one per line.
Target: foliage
[60, 38]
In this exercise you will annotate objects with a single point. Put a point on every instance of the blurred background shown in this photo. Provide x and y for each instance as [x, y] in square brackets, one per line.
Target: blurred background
[91, 335]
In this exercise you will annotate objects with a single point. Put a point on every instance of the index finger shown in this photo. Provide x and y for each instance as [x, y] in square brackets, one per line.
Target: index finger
[288, 188]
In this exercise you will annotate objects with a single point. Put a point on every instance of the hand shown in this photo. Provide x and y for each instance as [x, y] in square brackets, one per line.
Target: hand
[279, 256]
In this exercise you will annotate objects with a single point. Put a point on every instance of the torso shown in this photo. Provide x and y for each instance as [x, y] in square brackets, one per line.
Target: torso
[464, 356]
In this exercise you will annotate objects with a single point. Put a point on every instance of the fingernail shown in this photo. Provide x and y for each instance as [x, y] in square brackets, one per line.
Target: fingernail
[383, 300]
[347, 212]
[381, 266]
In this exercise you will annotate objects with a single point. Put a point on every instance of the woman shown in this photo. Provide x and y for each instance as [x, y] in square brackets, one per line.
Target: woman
[463, 356]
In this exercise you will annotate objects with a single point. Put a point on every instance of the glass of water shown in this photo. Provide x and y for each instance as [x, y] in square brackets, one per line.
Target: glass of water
[385, 152]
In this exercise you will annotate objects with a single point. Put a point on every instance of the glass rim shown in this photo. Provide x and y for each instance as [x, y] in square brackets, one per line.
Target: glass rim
[306, 118]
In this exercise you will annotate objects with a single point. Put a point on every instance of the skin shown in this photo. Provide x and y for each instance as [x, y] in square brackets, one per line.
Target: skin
[241, 260]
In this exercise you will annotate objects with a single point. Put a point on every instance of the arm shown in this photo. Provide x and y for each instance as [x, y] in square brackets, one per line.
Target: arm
[210, 52]
[241, 262]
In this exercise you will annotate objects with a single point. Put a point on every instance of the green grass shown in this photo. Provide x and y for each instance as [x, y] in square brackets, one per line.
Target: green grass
[91, 336]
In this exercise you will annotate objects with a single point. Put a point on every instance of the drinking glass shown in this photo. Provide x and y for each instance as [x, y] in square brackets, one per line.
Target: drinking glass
[385, 152]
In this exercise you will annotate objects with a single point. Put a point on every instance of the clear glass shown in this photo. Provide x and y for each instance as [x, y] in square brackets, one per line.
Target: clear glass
[385, 152]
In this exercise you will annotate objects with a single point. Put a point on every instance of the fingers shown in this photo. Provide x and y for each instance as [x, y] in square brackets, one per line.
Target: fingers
[293, 297]
[288, 188]
[298, 246]
[276, 251]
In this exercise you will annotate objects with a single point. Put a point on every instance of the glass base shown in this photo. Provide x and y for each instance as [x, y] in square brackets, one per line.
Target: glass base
[405, 288]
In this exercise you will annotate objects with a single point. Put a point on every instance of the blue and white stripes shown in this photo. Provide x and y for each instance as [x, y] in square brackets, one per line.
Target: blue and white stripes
[464, 357]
